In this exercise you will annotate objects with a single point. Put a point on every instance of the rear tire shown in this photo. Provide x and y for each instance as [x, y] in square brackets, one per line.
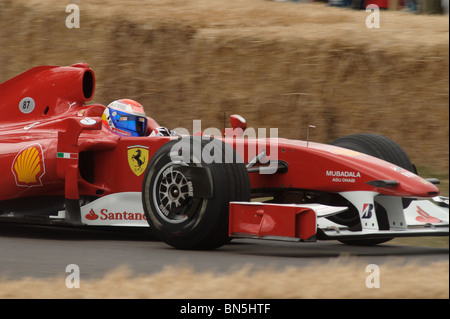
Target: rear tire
[176, 213]
[385, 149]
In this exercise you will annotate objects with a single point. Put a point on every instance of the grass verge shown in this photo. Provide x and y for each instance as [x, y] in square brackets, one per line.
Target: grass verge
[338, 279]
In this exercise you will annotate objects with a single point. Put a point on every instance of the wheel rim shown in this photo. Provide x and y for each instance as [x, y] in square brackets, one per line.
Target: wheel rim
[173, 195]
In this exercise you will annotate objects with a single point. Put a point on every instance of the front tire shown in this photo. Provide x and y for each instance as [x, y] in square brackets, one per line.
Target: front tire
[377, 146]
[385, 149]
[186, 198]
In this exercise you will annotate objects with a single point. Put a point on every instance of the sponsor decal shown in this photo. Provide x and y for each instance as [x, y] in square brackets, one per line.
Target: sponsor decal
[137, 158]
[424, 217]
[367, 211]
[91, 215]
[343, 176]
[423, 181]
[88, 121]
[28, 166]
[122, 132]
[28, 127]
[409, 174]
[138, 110]
[104, 214]
[27, 105]
[81, 112]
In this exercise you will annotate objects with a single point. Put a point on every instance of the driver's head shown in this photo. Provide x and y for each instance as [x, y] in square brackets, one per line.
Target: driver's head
[125, 117]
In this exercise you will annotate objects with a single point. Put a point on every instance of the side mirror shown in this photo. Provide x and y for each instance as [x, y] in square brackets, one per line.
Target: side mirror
[238, 126]
[238, 121]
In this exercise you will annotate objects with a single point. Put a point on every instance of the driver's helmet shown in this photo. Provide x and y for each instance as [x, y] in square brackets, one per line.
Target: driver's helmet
[125, 117]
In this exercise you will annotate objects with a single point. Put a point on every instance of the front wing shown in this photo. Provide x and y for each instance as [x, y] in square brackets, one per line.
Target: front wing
[308, 222]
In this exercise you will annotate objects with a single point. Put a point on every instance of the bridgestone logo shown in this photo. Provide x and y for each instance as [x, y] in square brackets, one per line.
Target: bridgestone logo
[343, 174]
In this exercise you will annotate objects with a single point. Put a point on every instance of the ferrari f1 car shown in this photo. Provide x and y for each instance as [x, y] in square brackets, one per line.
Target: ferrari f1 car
[61, 166]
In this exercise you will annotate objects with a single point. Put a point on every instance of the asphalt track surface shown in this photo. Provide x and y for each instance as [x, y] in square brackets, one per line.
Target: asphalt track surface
[41, 252]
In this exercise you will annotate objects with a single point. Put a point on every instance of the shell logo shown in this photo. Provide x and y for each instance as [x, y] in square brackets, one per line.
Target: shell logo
[28, 166]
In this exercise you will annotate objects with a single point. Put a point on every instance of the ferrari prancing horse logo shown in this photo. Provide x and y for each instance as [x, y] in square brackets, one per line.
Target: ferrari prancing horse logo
[138, 158]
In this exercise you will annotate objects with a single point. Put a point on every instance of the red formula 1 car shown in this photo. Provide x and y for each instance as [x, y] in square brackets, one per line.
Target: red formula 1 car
[60, 165]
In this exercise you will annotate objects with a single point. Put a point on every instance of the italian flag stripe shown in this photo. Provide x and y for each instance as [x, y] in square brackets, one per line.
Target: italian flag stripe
[67, 155]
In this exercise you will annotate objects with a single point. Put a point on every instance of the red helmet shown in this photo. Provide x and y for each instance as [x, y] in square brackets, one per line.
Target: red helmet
[125, 117]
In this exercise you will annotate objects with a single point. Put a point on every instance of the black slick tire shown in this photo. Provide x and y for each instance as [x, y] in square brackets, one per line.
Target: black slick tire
[186, 198]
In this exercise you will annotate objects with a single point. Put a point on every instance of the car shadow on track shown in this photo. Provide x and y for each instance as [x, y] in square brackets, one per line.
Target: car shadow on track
[325, 249]
[237, 247]
[75, 233]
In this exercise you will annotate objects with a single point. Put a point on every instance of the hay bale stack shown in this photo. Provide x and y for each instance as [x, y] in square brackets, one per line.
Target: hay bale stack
[278, 64]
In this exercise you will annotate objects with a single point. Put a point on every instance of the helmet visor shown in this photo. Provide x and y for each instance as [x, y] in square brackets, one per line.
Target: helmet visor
[133, 124]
